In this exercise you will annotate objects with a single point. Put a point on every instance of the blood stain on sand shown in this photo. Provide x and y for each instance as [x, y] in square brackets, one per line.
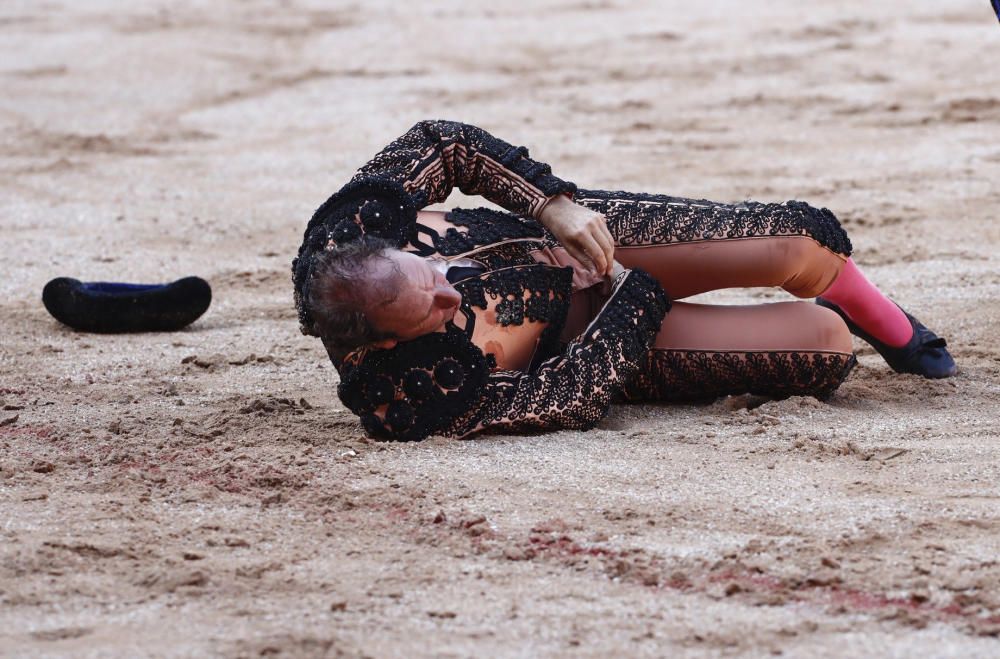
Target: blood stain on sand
[650, 571]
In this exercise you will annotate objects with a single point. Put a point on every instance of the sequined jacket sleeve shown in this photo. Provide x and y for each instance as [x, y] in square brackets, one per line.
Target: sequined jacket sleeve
[575, 389]
[435, 156]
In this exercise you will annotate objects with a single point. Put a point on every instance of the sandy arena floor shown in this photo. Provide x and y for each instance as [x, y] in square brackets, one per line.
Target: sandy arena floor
[205, 493]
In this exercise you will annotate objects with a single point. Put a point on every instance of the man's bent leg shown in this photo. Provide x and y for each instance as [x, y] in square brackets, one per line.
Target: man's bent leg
[779, 350]
[798, 264]
[711, 246]
[694, 246]
[714, 245]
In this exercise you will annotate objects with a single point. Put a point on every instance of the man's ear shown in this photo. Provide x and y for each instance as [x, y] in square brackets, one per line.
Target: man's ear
[386, 344]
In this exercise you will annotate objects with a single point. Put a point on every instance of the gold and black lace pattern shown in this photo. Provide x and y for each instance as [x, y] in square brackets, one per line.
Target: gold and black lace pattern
[435, 156]
[575, 389]
[695, 375]
[537, 293]
[547, 290]
[638, 219]
[482, 226]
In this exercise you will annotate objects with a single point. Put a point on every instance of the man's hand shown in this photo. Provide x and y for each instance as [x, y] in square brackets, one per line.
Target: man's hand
[582, 232]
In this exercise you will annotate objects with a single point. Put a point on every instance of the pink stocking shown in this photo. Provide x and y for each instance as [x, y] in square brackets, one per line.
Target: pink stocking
[868, 307]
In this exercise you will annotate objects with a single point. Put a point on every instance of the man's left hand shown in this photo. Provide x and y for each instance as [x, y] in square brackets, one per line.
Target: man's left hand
[583, 232]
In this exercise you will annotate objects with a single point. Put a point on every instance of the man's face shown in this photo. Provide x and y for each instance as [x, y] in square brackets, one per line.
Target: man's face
[424, 300]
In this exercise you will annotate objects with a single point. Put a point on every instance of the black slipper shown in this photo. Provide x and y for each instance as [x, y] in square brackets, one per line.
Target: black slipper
[924, 354]
[108, 307]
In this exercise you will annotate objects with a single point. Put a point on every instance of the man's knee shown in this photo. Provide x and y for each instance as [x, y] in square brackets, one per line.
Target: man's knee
[832, 334]
[808, 267]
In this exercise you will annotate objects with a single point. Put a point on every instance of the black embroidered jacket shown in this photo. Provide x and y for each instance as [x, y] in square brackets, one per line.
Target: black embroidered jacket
[445, 383]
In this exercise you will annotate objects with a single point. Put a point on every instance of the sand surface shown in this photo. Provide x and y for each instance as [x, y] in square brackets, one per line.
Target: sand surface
[204, 492]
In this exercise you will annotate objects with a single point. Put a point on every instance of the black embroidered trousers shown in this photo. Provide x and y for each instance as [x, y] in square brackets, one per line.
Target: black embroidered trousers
[705, 351]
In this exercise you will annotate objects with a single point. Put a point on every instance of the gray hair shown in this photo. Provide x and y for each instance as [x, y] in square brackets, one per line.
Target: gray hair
[344, 284]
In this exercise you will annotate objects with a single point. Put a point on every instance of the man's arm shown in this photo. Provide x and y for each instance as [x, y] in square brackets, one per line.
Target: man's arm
[434, 157]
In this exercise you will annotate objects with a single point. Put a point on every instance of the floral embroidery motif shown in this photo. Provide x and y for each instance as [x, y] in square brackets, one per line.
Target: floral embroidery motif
[547, 290]
[484, 226]
[416, 389]
[576, 389]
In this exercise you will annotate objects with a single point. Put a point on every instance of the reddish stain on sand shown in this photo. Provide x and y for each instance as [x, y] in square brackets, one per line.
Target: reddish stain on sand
[41, 432]
[564, 548]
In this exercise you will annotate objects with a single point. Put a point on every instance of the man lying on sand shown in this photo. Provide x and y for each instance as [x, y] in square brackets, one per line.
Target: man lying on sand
[540, 317]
